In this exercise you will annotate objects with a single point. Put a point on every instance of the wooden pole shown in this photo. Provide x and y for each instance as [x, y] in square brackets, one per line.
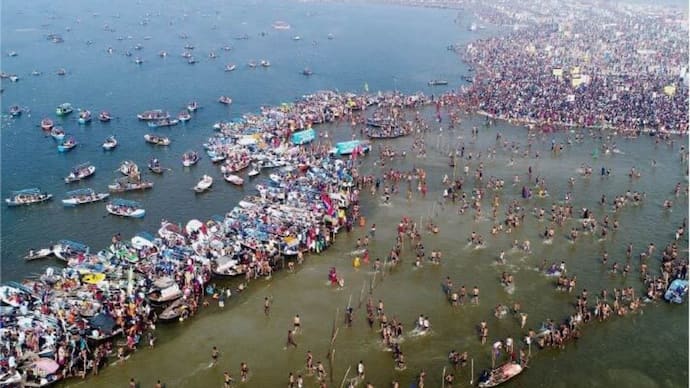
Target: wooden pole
[443, 378]
[342, 383]
[472, 372]
[361, 295]
[371, 286]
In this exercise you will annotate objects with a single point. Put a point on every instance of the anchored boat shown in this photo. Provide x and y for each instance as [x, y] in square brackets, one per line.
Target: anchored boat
[204, 184]
[499, 375]
[46, 124]
[167, 122]
[64, 109]
[190, 158]
[125, 184]
[125, 208]
[27, 197]
[129, 168]
[84, 117]
[104, 116]
[156, 114]
[67, 145]
[83, 196]
[80, 172]
[110, 143]
[234, 179]
[155, 166]
[157, 140]
[57, 133]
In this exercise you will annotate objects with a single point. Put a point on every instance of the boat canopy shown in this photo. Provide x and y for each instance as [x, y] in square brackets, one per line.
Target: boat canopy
[125, 202]
[75, 246]
[30, 191]
[79, 192]
[147, 236]
[303, 137]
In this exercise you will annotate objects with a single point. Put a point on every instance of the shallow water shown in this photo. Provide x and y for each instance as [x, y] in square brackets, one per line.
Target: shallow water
[648, 349]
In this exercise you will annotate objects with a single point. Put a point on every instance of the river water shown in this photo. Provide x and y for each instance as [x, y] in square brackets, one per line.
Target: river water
[641, 350]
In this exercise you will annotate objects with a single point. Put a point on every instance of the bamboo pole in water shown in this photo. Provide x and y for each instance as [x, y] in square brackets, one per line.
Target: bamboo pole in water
[361, 295]
[371, 286]
[443, 378]
[342, 383]
[472, 372]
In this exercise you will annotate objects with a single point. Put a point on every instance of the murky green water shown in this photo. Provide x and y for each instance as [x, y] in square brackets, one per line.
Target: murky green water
[646, 349]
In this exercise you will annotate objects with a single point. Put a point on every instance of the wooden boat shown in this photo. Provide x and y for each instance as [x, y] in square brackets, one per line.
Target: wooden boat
[27, 197]
[156, 114]
[216, 157]
[15, 110]
[230, 67]
[165, 295]
[104, 116]
[307, 71]
[499, 375]
[67, 249]
[80, 172]
[174, 311]
[230, 167]
[204, 184]
[110, 143]
[234, 179]
[163, 123]
[83, 196]
[67, 144]
[125, 208]
[125, 184]
[254, 171]
[64, 109]
[378, 122]
[193, 106]
[57, 133]
[46, 124]
[129, 168]
[190, 158]
[39, 254]
[226, 266]
[184, 116]
[225, 100]
[84, 116]
[155, 166]
[437, 82]
[157, 140]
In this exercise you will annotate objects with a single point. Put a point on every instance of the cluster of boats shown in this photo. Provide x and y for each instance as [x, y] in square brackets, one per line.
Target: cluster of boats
[157, 118]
